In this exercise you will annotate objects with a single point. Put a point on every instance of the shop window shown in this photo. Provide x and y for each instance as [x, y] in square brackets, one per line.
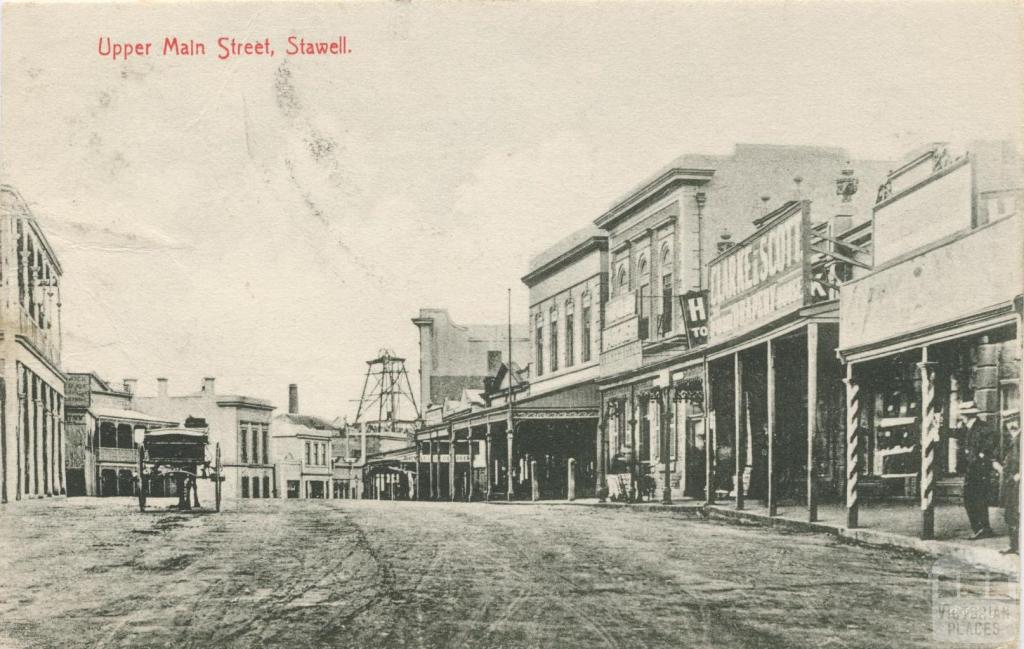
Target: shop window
[293, 489]
[255, 487]
[266, 486]
[245, 486]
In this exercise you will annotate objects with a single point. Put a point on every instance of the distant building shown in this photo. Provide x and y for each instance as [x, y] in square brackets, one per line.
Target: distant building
[102, 453]
[455, 357]
[302, 451]
[31, 381]
[240, 424]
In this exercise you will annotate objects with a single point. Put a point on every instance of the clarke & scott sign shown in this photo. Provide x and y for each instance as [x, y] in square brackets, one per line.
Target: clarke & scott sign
[762, 278]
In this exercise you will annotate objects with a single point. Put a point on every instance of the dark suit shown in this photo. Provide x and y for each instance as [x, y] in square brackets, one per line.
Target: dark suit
[978, 444]
[1011, 490]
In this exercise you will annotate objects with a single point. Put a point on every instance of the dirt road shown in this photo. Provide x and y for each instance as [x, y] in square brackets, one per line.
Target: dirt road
[273, 573]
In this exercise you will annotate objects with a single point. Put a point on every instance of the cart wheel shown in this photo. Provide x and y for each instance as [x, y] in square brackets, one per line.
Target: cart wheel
[142, 479]
[218, 478]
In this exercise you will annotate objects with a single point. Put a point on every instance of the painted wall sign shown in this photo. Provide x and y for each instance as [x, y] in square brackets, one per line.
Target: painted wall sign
[77, 393]
[761, 279]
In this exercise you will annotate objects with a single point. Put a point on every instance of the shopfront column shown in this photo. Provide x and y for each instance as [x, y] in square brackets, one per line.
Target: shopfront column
[601, 436]
[930, 420]
[664, 419]
[416, 493]
[62, 442]
[709, 451]
[738, 452]
[487, 461]
[510, 441]
[772, 495]
[37, 420]
[469, 485]
[451, 463]
[853, 406]
[634, 449]
[433, 482]
[812, 419]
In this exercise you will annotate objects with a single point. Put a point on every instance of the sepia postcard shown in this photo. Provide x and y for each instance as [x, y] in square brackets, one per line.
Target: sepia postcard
[562, 324]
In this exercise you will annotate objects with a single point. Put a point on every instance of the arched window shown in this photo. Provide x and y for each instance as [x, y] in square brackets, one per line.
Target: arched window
[666, 254]
[621, 278]
[641, 268]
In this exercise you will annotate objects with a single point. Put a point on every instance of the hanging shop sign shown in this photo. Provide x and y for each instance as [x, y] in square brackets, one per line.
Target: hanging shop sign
[763, 278]
[694, 305]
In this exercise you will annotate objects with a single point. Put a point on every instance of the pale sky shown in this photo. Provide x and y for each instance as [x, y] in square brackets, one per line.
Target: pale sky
[277, 220]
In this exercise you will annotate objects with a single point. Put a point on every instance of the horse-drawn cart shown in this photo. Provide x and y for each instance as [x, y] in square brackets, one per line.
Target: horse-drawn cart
[179, 453]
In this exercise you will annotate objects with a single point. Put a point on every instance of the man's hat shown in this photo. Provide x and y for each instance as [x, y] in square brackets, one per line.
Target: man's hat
[968, 408]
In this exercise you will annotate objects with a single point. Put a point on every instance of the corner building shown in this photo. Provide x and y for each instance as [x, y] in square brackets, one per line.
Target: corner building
[32, 453]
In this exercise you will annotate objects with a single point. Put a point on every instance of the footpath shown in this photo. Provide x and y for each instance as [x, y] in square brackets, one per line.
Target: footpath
[887, 527]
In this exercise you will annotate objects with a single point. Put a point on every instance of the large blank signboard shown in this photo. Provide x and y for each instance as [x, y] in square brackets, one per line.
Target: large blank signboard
[937, 287]
[933, 210]
[759, 280]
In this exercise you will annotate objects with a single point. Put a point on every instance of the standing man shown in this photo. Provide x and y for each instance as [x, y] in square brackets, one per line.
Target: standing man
[976, 438]
[1011, 485]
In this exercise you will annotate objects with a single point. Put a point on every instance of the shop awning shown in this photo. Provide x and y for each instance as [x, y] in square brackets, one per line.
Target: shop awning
[131, 416]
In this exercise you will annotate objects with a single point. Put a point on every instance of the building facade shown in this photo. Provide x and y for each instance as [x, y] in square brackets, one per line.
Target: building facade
[935, 323]
[530, 432]
[302, 452]
[32, 450]
[239, 424]
[454, 357]
[102, 451]
[662, 237]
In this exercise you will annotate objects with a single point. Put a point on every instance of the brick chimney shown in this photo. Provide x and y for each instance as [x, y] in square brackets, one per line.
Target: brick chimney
[129, 385]
[161, 387]
[293, 399]
[208, 385]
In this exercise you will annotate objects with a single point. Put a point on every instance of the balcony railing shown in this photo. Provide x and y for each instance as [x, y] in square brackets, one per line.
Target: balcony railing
[45, 340]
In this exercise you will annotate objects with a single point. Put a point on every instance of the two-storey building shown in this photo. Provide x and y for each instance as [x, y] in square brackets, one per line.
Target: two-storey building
[102, 451]
[239, 424]
[531, 429]
[32, 453]
[302, 451]
[661, 237]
